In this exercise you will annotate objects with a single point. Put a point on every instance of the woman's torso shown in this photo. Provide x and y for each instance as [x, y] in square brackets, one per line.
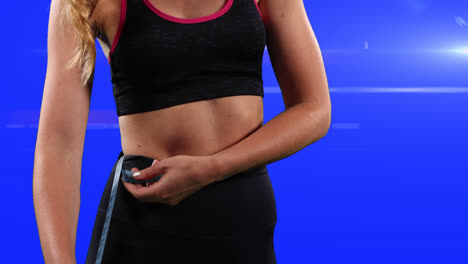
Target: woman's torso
[196, 128]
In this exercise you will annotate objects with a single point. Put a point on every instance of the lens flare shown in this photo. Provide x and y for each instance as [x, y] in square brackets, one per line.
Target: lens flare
[461, 22]
[463, 51]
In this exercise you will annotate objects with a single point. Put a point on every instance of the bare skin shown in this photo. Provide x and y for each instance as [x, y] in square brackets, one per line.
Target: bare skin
[197, 128]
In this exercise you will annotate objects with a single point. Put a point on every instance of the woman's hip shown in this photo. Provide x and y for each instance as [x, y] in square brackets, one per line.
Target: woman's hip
[242, 203]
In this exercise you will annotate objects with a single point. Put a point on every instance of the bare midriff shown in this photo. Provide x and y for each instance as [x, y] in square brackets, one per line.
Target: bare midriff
[197, 128]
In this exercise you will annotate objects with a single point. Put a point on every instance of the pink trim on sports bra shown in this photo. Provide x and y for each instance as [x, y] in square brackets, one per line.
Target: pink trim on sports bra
[123, 12]
[257, 8]
[221, 12]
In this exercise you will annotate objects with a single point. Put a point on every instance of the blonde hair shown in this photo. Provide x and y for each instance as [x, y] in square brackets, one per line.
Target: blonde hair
[78, 14]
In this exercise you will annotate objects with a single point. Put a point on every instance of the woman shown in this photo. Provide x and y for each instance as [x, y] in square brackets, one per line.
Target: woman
[187, 81]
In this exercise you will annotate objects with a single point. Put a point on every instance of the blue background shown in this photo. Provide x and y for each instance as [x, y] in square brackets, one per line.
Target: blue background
[387, 184]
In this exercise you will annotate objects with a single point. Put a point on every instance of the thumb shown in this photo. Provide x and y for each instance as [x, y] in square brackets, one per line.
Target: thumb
[148, 173]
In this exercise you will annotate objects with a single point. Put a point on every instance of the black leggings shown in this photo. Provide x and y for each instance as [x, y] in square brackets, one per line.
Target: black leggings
[230, 221]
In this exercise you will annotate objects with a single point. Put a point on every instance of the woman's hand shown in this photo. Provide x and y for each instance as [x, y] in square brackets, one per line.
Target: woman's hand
[182, 176]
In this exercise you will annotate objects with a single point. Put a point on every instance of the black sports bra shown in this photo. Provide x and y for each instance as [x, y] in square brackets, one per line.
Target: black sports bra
[158, 60]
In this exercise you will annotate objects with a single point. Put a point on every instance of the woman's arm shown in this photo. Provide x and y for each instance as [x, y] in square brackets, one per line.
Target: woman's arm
[59, 145]
[297, 62]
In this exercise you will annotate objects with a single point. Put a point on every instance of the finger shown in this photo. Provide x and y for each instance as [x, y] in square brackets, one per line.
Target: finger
[150, 172]
[134, 189]
[152, 192]
[139, 184]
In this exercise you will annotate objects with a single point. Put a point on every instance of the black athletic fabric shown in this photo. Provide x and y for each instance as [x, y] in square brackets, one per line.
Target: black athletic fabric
[158, 63]
[230, 221]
